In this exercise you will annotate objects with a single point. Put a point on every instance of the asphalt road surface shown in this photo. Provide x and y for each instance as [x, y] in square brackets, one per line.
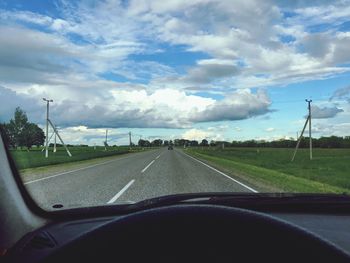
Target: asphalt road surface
[132, 178]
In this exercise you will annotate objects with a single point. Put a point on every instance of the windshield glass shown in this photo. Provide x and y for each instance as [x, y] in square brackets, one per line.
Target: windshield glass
[114, 102]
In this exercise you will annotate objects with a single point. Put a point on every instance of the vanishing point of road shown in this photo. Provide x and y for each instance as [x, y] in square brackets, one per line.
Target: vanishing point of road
[132, 178]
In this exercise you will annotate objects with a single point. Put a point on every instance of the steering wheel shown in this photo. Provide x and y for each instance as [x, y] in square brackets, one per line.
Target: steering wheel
[198, 233]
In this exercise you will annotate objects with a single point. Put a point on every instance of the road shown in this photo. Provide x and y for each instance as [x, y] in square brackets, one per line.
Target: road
[132, 178]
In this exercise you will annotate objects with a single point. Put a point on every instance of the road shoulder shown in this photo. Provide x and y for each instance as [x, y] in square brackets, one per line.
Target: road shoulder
[31, 174]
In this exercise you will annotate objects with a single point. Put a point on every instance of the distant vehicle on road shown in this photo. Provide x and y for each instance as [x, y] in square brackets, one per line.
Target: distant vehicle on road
[170, 147]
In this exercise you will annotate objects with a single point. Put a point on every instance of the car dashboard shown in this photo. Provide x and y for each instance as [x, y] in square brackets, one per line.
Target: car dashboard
[37, 245]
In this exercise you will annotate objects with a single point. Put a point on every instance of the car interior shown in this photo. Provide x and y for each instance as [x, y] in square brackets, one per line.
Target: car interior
[174, 131]
[206, 227]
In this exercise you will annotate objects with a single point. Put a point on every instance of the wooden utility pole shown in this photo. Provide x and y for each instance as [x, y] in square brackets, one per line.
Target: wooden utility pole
[106, 140]
[130, 139]
[47, 127]
[310, 135]
[59, 137]
[308, 120]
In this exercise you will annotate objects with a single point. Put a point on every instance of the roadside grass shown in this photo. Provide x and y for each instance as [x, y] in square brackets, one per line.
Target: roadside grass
[271, 169]
[36, 158]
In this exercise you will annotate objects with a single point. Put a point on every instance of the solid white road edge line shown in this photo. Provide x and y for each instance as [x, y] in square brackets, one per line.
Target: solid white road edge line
[114, 198]
[216, 170]
[144, 169]
[157, 156]
[75, 170]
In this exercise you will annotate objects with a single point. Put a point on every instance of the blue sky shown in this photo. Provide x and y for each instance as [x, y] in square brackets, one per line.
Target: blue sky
[177, 69]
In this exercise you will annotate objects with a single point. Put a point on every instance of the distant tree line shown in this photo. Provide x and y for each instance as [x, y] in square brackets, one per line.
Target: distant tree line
[322, 142]
[19, 132]
[154, 143]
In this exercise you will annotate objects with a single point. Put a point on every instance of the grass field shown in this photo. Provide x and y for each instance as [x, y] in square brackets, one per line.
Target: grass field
[36, 158]
[272, 169]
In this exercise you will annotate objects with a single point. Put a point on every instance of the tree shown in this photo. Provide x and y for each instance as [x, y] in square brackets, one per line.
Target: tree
[20, 132]
[16, 126]
[7, 136]
[194, 143]
[31, 135]
[157, 142]
[144, 143]
[204, 142]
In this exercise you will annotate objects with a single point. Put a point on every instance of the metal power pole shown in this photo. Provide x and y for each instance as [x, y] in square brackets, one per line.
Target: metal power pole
[310, 135]
[47, 127]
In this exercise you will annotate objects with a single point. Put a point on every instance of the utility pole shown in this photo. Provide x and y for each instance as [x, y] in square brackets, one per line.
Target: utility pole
[106, 140]
[48, 122]
[54, 145]
[130, 139]
[59, 137]
[47, 127]
[308, 120]
[310, 136]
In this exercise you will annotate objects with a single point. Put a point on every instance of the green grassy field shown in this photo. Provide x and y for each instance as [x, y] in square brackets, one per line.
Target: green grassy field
[272, 170]
[36, 158]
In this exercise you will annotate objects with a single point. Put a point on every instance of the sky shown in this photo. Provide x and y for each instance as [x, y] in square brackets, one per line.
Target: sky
[219, 70]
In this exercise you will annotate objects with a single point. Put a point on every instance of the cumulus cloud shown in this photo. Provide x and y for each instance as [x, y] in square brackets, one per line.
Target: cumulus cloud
[110, 31]
[237, 106]
[205, 73]
[167, 108]
[10, 99]
[32, 56]
[341, 93]
[71, 58]
[200, 134]
[324, 112]
[327, 129]
[123, 108]
[196, 134]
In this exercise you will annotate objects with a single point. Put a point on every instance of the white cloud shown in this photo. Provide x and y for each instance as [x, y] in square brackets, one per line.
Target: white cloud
[196, 134]
[237, 106]
[324, 112]
[113, 30]
[270, 129]
[336, 129]
[167, 108]
[341, 93]
[45, 60]
[26, 16]
[336, 12]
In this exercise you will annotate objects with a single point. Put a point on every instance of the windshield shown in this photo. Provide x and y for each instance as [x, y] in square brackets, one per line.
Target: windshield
[114, 102]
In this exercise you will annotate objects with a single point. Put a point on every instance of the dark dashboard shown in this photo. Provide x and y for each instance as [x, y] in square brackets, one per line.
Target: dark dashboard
[38, 245]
